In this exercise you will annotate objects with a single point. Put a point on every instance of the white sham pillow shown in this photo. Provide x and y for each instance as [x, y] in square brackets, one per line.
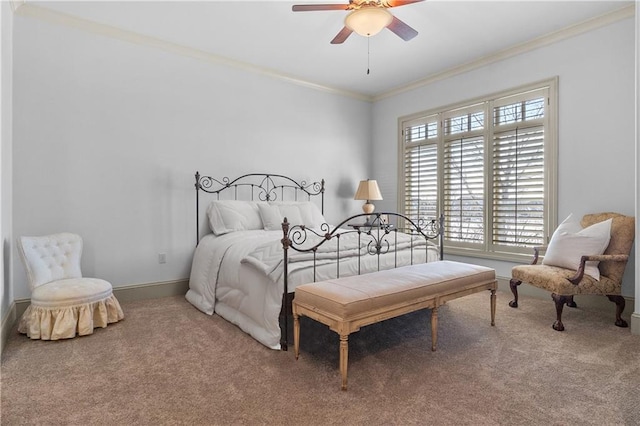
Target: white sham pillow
[310, 213]
[233, 215]
[297, 213]
[570, 242]
[273, 215]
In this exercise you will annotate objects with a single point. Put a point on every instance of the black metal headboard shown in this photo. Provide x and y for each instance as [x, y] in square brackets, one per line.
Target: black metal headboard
[257, 187]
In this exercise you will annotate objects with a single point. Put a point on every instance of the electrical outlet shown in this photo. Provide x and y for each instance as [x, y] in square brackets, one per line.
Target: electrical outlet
[162, 257]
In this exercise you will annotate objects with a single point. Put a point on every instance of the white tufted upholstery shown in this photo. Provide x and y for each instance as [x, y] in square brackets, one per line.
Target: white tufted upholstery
[63, 303]
[54, 257]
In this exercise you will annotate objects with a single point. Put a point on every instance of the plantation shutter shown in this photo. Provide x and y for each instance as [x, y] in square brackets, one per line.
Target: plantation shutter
[518, 171]
[421, 169]
[489, 166]
[463, 175]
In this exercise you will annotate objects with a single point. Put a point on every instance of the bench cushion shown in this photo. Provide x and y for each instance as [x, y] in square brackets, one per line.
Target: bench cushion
[349, 296]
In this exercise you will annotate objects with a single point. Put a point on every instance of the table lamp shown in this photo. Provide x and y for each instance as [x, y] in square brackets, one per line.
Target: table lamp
[368, 190]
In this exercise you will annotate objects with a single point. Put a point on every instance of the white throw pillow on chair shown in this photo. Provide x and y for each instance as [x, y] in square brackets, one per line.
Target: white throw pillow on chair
[570, 242]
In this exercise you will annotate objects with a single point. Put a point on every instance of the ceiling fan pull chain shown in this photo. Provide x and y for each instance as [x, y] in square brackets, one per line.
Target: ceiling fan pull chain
[368, 53]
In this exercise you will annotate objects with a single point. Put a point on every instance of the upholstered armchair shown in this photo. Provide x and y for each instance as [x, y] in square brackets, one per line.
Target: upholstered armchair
[63, 303]
[566, 281]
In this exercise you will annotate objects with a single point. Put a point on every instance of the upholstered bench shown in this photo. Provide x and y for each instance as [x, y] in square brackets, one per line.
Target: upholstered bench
[346, 304]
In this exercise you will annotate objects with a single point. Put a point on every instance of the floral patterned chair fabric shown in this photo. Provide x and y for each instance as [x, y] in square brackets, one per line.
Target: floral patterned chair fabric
[565, 283]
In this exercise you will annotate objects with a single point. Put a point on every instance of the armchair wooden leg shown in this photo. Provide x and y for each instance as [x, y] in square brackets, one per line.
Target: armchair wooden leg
[513, 283]
[560, 302]
[571, 303]
[619, 301]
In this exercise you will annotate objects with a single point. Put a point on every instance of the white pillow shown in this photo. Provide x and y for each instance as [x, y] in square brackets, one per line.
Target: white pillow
[297, 213]
[570, 242]
[233, 215]
[311, 215]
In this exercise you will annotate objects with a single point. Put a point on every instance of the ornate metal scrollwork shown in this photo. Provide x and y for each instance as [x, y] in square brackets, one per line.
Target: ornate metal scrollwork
[314, 188]
[297, 235]
[266, 189]
[373, 226]
[206, 183]
[378, 245]
[262, 186]
[430, 228]
[266, 185]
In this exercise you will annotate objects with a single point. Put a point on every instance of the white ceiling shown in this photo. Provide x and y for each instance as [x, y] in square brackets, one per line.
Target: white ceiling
[268, 35]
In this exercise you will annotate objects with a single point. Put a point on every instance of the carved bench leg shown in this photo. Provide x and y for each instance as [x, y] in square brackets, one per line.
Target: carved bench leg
[620, 303]
[560, 302]
[344, 358]
[513, 283]
[434, 328]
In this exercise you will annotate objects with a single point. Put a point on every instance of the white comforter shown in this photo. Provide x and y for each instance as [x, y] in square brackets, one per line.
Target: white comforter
[240, 275]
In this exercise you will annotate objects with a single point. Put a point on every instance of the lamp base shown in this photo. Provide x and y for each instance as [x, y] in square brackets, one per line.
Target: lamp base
[368, 208]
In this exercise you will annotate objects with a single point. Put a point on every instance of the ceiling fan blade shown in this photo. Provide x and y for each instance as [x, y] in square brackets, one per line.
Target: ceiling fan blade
[312, 7]
[397, 3]
[402, 30]
[341, 36]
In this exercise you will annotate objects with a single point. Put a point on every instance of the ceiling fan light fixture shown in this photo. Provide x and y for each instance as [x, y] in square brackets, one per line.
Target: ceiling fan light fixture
[368, 21]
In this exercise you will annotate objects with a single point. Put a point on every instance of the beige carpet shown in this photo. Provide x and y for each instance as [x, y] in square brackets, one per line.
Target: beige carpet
[168, 363]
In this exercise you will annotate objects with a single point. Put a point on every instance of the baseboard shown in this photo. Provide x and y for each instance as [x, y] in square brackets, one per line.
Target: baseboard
[588, 301]
[123, 294]
[7, 324]
[151, 290]
[635, 323]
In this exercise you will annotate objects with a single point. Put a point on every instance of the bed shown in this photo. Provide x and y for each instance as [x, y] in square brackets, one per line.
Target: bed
[264, 234]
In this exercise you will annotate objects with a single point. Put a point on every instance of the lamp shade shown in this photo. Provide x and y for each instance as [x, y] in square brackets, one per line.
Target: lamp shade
[368, 20]
[368, 190]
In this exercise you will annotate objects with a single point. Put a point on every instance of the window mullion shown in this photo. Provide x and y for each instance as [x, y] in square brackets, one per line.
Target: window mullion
[441, 207]
[488, 175]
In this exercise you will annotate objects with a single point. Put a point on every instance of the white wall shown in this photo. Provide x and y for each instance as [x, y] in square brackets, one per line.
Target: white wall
[596, 120]
[108, 135]
[6, 295]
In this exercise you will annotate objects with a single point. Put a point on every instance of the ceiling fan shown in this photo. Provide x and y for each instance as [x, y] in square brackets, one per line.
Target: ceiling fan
[366, 17]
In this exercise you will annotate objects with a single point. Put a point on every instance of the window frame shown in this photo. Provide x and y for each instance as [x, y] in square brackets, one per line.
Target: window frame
[487, 249]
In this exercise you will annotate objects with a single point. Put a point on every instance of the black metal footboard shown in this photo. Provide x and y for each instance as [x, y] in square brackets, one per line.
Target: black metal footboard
[392, 238]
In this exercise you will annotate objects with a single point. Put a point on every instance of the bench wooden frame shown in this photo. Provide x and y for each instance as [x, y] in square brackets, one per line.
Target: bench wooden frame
[349, 324]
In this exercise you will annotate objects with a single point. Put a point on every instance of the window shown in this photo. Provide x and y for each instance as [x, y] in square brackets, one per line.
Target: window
[489, 165]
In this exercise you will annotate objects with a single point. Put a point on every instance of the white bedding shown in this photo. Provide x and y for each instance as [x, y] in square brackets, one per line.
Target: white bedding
[239, 276]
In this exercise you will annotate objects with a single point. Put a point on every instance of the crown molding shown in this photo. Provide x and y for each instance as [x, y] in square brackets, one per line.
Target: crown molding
[54, 17]
[545, 40]
[22, 8]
